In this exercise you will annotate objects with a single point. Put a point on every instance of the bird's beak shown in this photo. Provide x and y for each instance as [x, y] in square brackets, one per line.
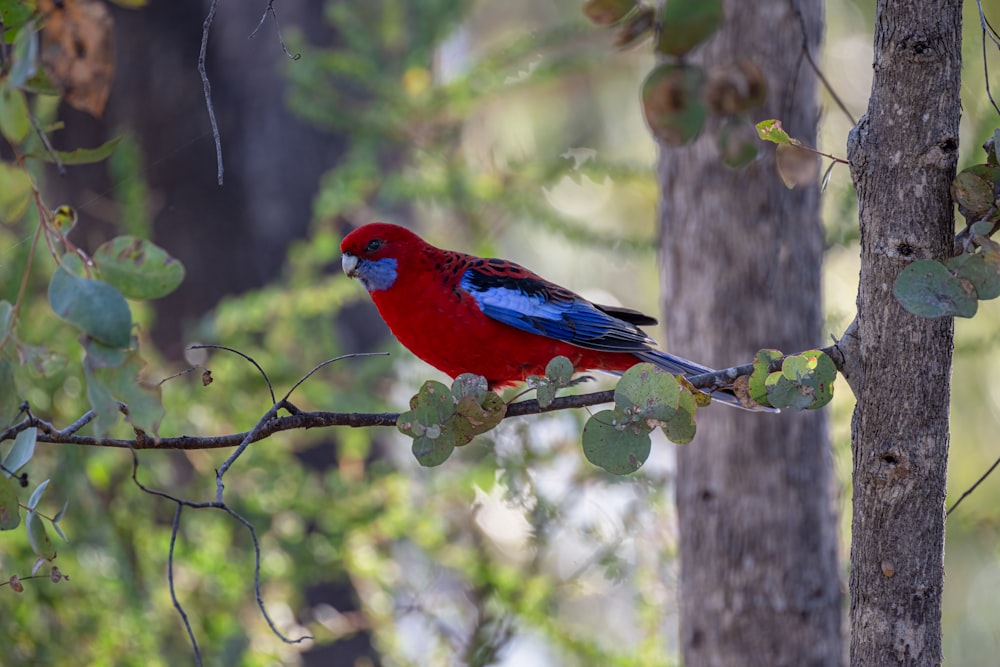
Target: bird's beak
[350, 263]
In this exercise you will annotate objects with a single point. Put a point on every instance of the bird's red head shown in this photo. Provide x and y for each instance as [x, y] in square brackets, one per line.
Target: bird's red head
[372, 253]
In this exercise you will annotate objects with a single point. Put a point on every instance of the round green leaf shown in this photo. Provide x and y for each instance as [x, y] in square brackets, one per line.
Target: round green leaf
[761, 364]
[672, 102]
[620, 449]
[469, 384]
[430, 409]
[737, 143]
[686, 23]
[648, 393]
[681, 427]
[432, 452]
[783, 393]
[982, 270]
[137, 268]
[928, 289]
[812, 374]
[560, 370]
[94, 307]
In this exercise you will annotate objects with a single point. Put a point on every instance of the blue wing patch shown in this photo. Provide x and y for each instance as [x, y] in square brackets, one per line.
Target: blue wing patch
[513, 295]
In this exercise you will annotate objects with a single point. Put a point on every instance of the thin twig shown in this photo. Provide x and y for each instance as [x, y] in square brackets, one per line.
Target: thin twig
[173, 591]
[247, 357]
[972, 488]
[327, 363]
[206, 28]
[818, 71]
[277, 26]
[60, 167]
[256, 578]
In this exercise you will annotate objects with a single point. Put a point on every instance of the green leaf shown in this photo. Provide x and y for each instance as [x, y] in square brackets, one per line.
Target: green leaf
[14, 15]
[21, 451]
[761, 363]
[10, 405]
[10, 512]
[36, 495]
[621, 449]
[426, 423]
[15, 192]
[672, 102]
[558, 374]
[980, 269]
[94, 307]
[14, 121]
[428, 409]
[137, 268]
[681, 427]
[771, 130]
[80, 155]
[38, 538]
[928, 289]
[737, 143]
[812, 373]
[560, 370]
[782, 393]
[469, 384]
[431, 452]
[687, 23]
[25, 56]
[109, 383]
[648, 393]
[102, 402]
[475, 416]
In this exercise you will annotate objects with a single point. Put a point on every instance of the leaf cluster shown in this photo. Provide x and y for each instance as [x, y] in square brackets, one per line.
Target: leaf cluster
[955, 286]
[679, 97]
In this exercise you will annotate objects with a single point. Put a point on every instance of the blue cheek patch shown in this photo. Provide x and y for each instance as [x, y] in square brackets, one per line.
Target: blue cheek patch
[378, 274]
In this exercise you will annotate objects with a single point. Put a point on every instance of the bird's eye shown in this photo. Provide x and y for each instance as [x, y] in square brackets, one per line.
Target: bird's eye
[373, 245]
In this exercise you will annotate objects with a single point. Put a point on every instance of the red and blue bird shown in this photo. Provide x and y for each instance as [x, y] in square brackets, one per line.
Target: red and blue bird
[492, 317]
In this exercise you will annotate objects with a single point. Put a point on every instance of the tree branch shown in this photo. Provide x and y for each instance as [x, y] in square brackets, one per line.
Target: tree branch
[271, 423]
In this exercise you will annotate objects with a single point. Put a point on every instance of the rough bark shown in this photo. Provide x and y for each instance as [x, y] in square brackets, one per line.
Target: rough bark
[903, 155]
[741, 258]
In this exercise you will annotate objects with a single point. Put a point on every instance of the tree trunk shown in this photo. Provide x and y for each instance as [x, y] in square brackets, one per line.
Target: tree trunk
[741, 259]
[903, 155]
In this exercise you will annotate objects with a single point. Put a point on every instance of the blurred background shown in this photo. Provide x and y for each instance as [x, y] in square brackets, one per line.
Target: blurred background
[502, 129]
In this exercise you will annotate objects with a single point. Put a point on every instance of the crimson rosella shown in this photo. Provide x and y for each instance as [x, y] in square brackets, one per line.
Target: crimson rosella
[492, 317]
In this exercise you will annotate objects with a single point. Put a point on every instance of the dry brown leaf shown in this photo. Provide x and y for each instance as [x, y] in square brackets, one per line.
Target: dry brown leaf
[78, 52]
[797, 166]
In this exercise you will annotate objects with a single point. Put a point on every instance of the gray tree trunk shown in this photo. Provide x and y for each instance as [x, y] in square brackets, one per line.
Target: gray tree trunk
[903, 155]
[741, 259]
